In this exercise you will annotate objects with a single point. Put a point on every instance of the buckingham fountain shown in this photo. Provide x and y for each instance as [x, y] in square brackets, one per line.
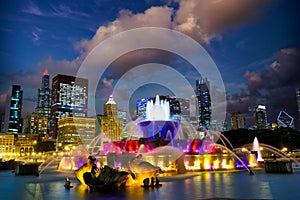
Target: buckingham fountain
[170, 143]
[159, 141]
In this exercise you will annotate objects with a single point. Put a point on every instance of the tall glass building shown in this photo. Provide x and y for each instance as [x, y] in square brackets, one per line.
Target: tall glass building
[12, 121]
[44, 97]
[69, 98]
[203, 102]
[141, 107]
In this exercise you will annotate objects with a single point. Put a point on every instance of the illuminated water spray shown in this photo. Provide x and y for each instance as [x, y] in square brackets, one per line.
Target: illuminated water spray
[160, 110]
[257, 149]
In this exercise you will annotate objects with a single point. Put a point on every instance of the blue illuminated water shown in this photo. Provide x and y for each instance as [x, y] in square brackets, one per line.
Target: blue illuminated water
[202, 185]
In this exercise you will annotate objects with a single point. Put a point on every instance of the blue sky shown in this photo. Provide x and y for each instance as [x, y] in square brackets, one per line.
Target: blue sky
[254, 43]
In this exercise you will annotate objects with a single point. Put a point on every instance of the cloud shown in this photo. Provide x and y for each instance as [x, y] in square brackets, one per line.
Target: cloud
[63, 10]
[195, 18]
[283, 72]
[36, 34]
[205, 20]
[154, 16]
[33, 9]
[274, 86]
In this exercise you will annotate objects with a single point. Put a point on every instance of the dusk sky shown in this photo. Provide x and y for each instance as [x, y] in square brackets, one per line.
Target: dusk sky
[254, 43]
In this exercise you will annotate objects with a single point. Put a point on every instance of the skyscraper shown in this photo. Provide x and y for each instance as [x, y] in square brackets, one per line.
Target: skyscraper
[75, 131]
[185, 108]
[237, 121]
[44, 97]
[298, 103]
[111, 124]
[38, 124]
[141, 107]
[12, 121]
[261, 117]
[204, 102]
[69, 98]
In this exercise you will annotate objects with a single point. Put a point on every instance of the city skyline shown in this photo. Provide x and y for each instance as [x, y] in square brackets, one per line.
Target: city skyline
[255, 45]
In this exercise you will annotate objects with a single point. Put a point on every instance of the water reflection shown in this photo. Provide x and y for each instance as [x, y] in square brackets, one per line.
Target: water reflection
[204, 185]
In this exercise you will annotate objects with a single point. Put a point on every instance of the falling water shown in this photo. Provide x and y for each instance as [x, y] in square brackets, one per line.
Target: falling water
[249, 170]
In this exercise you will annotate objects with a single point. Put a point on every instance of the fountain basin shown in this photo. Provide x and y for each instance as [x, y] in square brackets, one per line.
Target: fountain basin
[159, 128]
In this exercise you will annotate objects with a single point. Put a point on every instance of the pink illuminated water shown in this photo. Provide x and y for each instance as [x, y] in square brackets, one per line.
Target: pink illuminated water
[257, 149]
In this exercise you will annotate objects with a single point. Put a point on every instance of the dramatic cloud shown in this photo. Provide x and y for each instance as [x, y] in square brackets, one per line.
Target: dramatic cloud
[275, 86]
[197, 19]
[152, 17]
[204, 20]
[284, 72]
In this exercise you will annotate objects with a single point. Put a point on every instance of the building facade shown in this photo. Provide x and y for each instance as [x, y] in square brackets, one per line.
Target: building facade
[38, 124]
[237, 121]
[123, 115]
[203, 103]
[261, 117]
[12, 120]
[69, 98]
[185, 108]
[44, 97]
[141, 107]
[111, 124]
[25, 144]
[75, 131]
[7, 145]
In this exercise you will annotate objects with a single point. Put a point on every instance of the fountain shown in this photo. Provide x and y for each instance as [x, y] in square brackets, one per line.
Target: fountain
[158, 143]
[256, 149]
[163, 141]
[158, 123]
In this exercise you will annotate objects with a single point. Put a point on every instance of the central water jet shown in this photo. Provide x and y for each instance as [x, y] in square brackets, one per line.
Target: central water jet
[158, 123]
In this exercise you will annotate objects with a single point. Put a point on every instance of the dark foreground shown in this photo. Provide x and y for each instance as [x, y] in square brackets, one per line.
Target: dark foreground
[202, 185]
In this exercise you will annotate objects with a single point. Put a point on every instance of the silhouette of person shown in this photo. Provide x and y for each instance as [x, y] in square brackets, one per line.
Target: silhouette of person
[146, 182]
[152, 181]
[68, 183]
[156, 181]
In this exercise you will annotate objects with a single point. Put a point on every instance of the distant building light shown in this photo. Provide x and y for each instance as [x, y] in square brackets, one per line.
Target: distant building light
[261, 107]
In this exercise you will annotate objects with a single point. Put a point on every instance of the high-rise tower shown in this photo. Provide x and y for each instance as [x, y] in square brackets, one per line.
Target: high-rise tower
[298, 103]
[261, 117]
[44, 97]
[69, 98]
[12, 121]
[204, 102]
[237, 121]
[111, 124]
